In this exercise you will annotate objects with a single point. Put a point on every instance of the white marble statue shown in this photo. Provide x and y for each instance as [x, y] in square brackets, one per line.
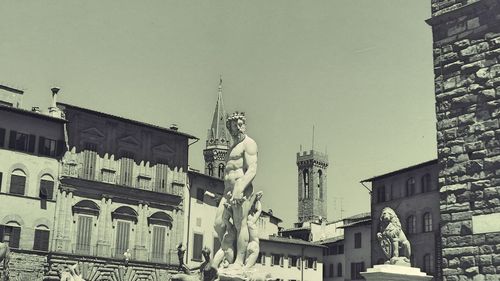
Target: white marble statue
[392, 239]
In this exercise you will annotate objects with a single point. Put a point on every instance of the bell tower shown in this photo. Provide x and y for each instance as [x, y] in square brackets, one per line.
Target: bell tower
[312, 185]
[218, 140]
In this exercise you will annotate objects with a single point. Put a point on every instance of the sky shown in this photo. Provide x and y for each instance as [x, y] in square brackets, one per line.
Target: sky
[359, 71]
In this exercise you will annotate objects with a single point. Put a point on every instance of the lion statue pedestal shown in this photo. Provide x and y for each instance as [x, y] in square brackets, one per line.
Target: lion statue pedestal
[391, 272]
[397, 250]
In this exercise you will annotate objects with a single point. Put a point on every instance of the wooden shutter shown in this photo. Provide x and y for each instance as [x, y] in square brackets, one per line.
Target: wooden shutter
[17, 184]
[41, 240]
[89, 162]
[41, 146]
[2, 137]
[122, 237]
[31, 143]
[158, 243]
[46, 189]
[60, 148]
[83, 235]
[197, 246]
[12, 139]
[15, 236]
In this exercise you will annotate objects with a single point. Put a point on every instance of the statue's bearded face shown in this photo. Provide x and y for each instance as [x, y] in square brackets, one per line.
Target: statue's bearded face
[236, 127]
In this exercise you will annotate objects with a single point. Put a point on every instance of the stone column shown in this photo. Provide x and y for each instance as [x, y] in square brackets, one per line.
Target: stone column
[140, 249]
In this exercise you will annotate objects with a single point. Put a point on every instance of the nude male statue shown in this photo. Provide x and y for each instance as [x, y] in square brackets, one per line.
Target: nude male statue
[241, 167]
[253, 232]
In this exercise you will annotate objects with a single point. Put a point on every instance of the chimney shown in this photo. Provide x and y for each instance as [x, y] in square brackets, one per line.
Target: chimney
[54, 90]
[53, 110]
[174, 127]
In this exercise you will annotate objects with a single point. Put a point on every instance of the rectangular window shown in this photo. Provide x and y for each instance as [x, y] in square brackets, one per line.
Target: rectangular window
[11, 235]
[311, 263]
[122, 237]
[261, 258]
[293, 261]
[17, 184]
[47, 147]
[46, 189]
[341, 249]
[158, 254]
[126, 168]
[22, 142]
[83, 235]
[381, 194]
[197, 246]
[108, 175]
[217, 245]
[276, 259]
[356, 269]
[357, 240]
[330, 273]
[161, 177]
[200, 193]
[41, 240]
[2, 137]
[89, 161]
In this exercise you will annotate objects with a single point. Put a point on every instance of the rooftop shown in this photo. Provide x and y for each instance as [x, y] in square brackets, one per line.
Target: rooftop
[428, 163]
[286, 240]
[332, 239]
[31, 113]
[135, 122]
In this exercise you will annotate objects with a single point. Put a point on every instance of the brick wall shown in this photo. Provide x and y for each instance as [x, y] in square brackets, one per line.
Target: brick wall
[467, 87]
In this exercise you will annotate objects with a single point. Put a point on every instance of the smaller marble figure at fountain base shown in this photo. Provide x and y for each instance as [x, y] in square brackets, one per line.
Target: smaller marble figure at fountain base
[397, 249]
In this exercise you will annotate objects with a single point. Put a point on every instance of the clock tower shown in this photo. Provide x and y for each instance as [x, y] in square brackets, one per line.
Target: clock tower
[218, 140]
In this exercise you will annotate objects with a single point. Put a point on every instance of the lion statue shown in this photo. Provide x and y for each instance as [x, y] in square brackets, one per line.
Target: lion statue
[392, 238]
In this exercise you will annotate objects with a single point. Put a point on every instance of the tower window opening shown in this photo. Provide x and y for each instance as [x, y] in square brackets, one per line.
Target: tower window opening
[305, 176]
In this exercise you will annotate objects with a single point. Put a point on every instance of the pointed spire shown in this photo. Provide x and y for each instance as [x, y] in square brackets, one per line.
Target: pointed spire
[217, 134]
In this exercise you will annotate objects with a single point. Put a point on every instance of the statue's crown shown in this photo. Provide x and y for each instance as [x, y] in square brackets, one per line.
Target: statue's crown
[236, 116]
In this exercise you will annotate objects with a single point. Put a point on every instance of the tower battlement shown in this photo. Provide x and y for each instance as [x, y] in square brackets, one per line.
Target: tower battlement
[317, 156]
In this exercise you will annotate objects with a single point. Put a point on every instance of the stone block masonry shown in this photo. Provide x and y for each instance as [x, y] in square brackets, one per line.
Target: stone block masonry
[467, 88]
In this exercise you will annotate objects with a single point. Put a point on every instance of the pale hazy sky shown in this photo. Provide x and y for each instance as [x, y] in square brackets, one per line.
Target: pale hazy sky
[359, 70]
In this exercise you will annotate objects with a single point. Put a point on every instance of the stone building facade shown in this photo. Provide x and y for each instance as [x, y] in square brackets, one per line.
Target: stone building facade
[413, 193]
[466, 37]
[120, 198]
[312, 186]
[31, 145]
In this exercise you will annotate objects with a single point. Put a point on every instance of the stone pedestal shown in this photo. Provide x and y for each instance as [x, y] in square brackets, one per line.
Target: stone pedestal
[140, 253]
[103, 249]
[389, 272]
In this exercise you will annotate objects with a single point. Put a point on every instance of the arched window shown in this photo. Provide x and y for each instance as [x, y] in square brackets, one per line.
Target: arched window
[10, 233]
[339, 269]
[221, 170]
[305, 176]
[160, 223]
[86, 213]
[410, 187]
[210, 169]
[18, 182]
[427, 222]
[427, 264]
[426, 183]
[330, 274]
[123, 218]
[41, 241]
[411, 225]
[46, 187]
[320, 184]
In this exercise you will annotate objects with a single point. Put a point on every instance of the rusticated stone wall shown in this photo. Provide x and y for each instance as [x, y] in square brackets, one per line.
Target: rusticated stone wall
[26, 266]
[467, 87]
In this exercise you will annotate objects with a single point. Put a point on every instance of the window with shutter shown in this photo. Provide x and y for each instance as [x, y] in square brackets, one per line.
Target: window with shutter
[11, 235]
[126, 168]
[161, 177]
[41, 242]
[89, 161]
[83, 234]
[17, 182]
[197, 246]
[46, 189]
[158, 247]
[47, 147]
[122, 237]
[2, 137]
[357, 240]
